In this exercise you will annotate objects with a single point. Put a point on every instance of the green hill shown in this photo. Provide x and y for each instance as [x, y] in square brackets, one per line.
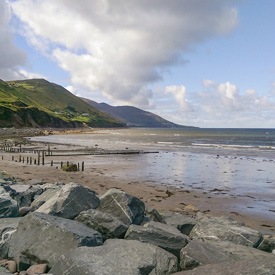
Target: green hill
[39, 103]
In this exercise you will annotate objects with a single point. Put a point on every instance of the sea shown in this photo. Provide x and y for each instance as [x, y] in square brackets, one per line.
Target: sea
[226, 162]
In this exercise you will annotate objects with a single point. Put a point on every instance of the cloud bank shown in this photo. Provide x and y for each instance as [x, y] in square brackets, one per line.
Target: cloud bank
[11, 55]
[120, 47]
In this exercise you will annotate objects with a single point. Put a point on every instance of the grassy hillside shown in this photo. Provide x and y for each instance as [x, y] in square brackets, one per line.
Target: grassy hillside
[37, 102]
[134, 117]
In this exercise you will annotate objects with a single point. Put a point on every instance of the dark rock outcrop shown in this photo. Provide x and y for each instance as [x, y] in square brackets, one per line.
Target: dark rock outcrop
[117, 257]
[69, 201]
[43, 238]
[159, 234]
[104, 223]
[225, 229]
[127, 208]
[182, 222]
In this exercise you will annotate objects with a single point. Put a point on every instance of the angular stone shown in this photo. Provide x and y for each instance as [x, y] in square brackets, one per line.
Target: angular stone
[225, 229]
[69, 201]
[104, 223]
[159, 234]
[153, 215]
[7, 227]
[8, 206]
[182, 222]
[43, 238]
[267, 244]
[263, 266]
[45, 196]
[117, 257]
[24, 194]
[129, 209]
[37, 269]
[212, 252]
[4, 271]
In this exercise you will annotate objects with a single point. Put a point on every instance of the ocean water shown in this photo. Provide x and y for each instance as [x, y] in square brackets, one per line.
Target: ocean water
[223, 162]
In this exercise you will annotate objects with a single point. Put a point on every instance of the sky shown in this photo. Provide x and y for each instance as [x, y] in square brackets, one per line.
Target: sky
[205, 63]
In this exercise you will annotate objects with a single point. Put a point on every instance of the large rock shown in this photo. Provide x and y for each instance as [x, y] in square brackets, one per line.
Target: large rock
[117, 257]
[24, 194]
[8, 207]
[267, 244]
[159, 234]
[104, 223]
[182, 222]
[263, 266]
[129, 209]
[225, 229]
[7, 227]
[43, 238]
[69, 201]
[212, 252]
[45, 196]
[4, 271]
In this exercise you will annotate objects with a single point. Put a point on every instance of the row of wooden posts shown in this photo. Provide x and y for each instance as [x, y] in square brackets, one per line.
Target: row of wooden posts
[40, 156]
[8, 148]
[31, 160]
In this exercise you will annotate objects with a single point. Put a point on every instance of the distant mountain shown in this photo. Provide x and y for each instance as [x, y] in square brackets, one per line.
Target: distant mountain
[39, 103]
[134, 117]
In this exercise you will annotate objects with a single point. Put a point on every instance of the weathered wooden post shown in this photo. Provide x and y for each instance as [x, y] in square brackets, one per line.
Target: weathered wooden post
[43, 157]
[38, 158]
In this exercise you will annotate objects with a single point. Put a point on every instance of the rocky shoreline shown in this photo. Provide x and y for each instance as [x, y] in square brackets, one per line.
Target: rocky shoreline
[68, 229]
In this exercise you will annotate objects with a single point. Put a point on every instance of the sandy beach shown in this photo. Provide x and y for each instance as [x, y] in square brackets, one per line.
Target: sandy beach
[106, 171]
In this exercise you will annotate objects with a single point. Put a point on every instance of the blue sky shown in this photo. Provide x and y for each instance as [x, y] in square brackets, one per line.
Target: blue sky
[207, 63]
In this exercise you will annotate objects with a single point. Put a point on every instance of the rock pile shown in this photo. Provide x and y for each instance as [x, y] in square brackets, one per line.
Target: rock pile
[68, 229]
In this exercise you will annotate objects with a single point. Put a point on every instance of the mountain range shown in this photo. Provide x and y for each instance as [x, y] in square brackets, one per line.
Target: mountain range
[133, 117]
[39, 103]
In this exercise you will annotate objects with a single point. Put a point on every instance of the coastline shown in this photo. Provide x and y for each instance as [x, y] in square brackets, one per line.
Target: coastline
[100, 174]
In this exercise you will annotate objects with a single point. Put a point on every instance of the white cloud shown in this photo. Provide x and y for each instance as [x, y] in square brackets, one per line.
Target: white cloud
[119, 47]
[11, 55]
[179, 92]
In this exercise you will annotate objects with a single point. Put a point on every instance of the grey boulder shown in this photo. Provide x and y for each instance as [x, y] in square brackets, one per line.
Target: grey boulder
[213, 252]
[263, 266]
[24, 194]
[127, 208]
[182, 222]
[267, 244]
[117, 257]
[43, 238]
[8, 206]
[159, 234]
[69, 201]
[7, 227]
[225, 229]
[104, 223]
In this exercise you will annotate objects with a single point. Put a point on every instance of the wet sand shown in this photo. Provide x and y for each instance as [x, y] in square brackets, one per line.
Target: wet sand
[103, 172]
